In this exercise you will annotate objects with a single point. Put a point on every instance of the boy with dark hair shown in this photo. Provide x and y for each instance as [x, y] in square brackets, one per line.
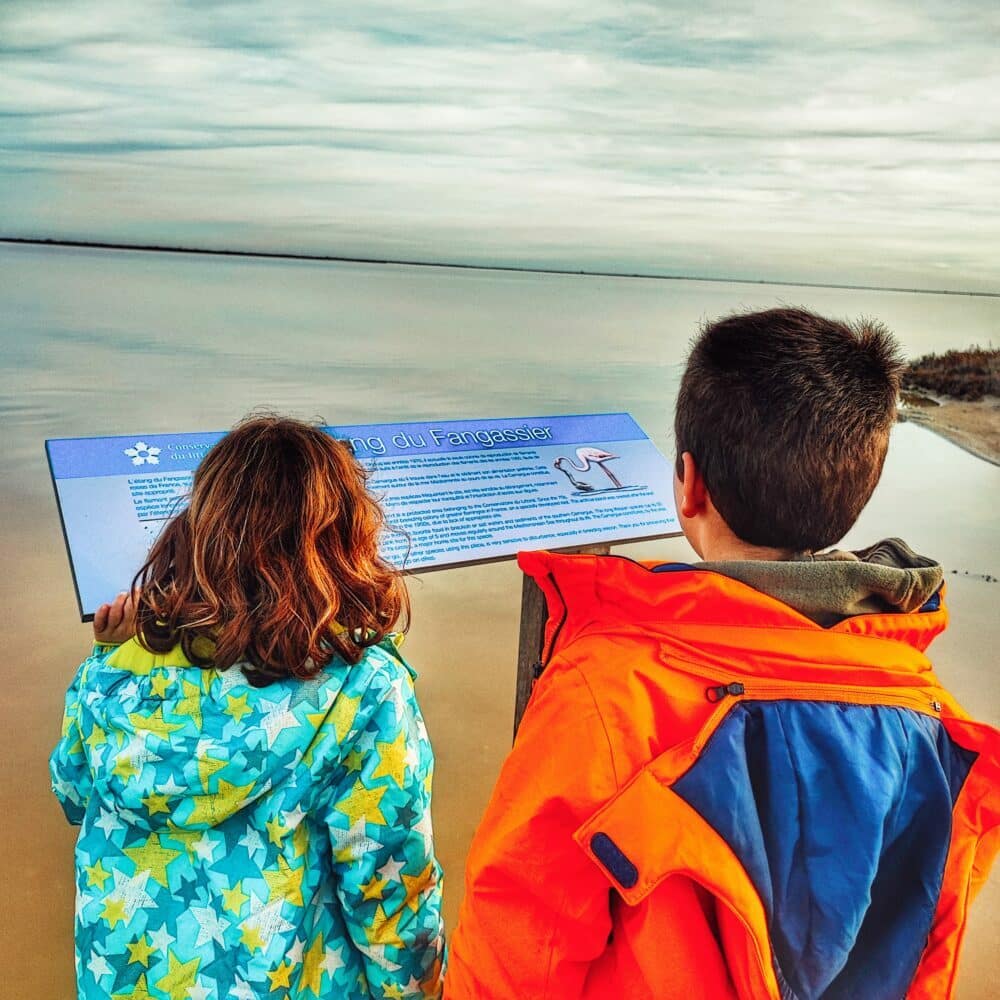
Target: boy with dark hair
[741, 779]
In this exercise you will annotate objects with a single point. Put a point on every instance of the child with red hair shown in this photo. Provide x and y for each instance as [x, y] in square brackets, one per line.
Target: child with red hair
[244, 753]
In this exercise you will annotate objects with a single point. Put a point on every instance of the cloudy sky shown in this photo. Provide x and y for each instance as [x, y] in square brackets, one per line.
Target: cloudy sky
[835, 141]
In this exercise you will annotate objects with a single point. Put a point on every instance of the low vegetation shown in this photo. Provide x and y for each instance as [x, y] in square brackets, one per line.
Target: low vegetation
[969, 374]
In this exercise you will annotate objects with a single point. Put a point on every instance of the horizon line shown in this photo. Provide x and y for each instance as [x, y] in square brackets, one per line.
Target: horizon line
[516, 268]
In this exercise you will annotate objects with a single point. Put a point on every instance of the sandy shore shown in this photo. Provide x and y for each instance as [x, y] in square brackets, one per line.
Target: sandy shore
[972, 426]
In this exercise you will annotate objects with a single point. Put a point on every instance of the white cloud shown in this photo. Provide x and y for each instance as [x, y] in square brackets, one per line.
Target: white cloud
[788, 143]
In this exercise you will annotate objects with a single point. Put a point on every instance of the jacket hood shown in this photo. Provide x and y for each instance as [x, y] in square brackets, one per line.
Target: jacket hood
[831, 586]
[223, 743]
[707, 612]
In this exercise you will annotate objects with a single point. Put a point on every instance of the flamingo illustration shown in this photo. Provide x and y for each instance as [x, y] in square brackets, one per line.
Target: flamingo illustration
[587, 456]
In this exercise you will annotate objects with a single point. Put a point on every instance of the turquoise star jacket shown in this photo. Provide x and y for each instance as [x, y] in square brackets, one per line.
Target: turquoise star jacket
[242, 842]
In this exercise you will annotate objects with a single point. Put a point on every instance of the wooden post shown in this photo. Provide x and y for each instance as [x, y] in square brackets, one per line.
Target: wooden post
[532, 634]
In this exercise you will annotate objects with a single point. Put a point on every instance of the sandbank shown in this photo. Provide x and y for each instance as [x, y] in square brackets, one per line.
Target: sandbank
[974, 426]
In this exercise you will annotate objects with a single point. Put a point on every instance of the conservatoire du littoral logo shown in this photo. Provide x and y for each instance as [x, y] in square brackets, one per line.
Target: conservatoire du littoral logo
[143, 454]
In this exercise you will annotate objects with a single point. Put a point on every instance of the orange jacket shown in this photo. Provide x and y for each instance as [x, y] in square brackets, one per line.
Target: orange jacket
[711, 796]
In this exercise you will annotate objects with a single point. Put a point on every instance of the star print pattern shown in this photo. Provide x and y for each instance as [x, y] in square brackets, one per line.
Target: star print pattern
[243, 842]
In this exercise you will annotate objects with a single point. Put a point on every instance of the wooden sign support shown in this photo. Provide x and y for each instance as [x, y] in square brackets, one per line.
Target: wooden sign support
[532, 635]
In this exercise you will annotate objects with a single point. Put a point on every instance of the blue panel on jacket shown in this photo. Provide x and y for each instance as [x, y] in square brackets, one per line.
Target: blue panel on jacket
[841, 816]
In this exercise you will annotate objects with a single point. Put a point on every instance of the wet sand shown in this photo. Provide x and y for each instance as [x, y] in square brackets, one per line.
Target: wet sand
[972, 426]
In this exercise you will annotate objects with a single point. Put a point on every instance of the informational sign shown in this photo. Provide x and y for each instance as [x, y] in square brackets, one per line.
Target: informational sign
[460, 492]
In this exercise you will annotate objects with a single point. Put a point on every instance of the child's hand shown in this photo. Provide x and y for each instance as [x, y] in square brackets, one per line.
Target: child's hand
[115, 623]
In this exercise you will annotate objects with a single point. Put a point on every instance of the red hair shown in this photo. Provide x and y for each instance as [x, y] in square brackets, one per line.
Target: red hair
[275, 561]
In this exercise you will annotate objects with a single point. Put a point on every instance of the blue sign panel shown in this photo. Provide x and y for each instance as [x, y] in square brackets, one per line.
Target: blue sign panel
[463, 491]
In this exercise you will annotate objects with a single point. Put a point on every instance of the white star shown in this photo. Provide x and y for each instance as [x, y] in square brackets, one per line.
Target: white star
[129, 690]
[132, 892]
[210, 925]
[332, 962]
[242, 990]
[170, 787]
[137, 753]
[353, 842]
[82, 900]
[414, 987]
[376, 952]
[294, 817]
[268, 921]
[197, 992]
[252, 842]
[295, 952]
[205, 847]
[278, 718]
[108, 823]
[161, 939]
[230, 678]
[423, 827]
[66, 790]
[98, 965]
[391, 869]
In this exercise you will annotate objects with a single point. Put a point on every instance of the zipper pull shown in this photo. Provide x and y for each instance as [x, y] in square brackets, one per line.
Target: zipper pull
[714, 694]
[936, 705]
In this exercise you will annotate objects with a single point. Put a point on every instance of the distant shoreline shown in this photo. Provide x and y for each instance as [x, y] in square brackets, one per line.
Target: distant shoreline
[581, 272]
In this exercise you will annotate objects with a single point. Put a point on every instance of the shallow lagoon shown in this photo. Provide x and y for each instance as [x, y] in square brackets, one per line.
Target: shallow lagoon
[103, 342]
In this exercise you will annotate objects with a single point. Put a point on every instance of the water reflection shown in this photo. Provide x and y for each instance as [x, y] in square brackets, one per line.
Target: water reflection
[111, 343]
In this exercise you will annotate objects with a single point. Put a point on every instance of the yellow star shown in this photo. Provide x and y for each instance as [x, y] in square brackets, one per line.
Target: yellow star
[233, 899]
[155, 803]
[354, 761]
[125, 766]
[180, 975]
[141, 991]
[345, 711]
[236, 708]
[312, 967]
[96, 875]
[114, 912]
[385, 930]
[341, 716]
[300, 840]
[251, 939]
[363, 803]
[392, 991]
[190, 704]
[276, 830]
[97, 738]
[285, 883]
[393, 762]
[372, 889]
[154, 723]
[207, 810]
[280, 976]
[151, 856]
[417, 884]
[207, 767]
[140, 952]
[160, 682]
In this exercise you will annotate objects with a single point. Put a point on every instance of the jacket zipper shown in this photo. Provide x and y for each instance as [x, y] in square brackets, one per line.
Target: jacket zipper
[719, 695]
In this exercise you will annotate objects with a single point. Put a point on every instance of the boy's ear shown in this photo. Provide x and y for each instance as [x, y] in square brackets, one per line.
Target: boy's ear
[694, 495]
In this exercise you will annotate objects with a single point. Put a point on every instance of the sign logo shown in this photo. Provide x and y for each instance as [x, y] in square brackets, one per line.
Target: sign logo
[142, 454]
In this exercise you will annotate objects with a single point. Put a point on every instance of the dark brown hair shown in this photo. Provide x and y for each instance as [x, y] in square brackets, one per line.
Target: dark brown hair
[275, 560]
[787, 415]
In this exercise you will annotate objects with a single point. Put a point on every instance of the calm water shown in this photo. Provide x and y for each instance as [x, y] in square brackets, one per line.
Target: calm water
[113, 342]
